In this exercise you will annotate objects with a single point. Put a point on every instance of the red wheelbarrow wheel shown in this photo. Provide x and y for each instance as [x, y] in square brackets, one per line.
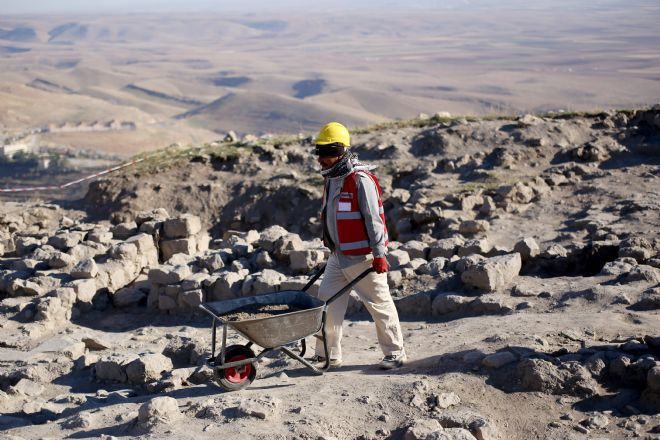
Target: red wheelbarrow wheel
[236, 378]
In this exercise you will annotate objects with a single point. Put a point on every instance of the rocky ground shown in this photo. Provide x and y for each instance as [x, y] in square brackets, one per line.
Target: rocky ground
[525, 266]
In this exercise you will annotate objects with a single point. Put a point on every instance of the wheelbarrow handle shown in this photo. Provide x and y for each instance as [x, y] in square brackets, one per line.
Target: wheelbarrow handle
[350, 285]
[315, 277]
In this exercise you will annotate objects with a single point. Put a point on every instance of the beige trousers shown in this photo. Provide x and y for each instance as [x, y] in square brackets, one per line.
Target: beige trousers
[374, 292]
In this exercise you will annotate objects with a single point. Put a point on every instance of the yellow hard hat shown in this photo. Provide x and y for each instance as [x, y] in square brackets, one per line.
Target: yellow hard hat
[333, 133]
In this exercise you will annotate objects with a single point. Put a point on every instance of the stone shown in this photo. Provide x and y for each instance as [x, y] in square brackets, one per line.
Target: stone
[51, 309]
[472, 227]
[481, 246]
[269, 237]
[183, 226]
[639, 253]
[213, 262]
[451, 434]
[82, 420]
[263, 260]
[168, 274]
[94, 343]
[421, 429]
[418, 304]
[555, 251]
[156, 215]
[85, 290]
[616, 268]
[598, 421]
[28, 388]
[166, 302]
[264, 408]
[191, 298]
[86, 268]
[111, 370]
[445, 248]
[517, 193]
[528, 248]
[169, 248]
[491, 304]
[445, 400]
[239, 247]
[194, 281]
[25, 245]
[65, 241]
[394, 278]
[305, 260]
[467, 262]
[493, 273]
[433, 267]
[567, 378]
[497, 360]
[60, 260]
[128, 297]
[446, 303]
[653, 379]
[285, 245]
[124, 230]
[469, 203]
[266, 281]
[643, 272]
[227, 286]
[462, 418]
[416, 249]
[115, 274]
[87, 249]
[397, 258]
[148, 368]
[160, 410]
[98, 236]
[649, 300]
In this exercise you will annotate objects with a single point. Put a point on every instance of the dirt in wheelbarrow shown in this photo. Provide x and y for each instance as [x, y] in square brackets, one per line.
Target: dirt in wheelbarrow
[258, 311]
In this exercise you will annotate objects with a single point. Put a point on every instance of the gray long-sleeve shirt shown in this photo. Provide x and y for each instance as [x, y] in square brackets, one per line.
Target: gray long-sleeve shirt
[368, 204]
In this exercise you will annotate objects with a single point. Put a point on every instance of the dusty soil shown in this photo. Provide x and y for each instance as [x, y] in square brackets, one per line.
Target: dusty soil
[565, 350]
[257, 311]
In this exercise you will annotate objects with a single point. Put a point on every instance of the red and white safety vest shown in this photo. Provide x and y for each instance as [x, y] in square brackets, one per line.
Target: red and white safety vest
[351, 229]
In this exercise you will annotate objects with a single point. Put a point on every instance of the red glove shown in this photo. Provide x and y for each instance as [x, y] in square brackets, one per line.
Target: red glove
[380, 265]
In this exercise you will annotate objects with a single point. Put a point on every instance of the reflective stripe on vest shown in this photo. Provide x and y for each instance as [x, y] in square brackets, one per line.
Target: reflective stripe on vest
[351, 229]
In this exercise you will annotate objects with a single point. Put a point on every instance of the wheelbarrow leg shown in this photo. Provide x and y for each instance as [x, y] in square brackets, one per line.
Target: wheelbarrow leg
[303, 361]
[303, 347]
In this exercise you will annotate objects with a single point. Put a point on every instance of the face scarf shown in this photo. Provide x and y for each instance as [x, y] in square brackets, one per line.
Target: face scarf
[348, 163]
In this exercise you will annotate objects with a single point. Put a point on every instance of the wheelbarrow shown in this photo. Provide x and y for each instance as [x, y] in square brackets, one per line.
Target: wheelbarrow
[235, 366]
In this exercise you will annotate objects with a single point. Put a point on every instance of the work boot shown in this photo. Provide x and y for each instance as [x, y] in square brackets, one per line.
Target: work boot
[392, 361]
[320, 361]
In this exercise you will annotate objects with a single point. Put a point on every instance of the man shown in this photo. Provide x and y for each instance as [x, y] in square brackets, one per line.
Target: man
[354, 230]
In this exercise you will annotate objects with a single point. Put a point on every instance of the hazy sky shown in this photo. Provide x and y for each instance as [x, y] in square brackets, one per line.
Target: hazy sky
[133, 6]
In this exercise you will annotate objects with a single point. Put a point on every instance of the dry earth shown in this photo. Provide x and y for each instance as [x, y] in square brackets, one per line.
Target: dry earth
[525, 267]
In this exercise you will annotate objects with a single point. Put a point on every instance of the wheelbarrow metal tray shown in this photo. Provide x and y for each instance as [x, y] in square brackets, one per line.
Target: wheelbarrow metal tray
[274, 331]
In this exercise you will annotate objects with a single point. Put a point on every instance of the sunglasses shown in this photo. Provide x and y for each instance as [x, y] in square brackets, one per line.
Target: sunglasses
[330, 150]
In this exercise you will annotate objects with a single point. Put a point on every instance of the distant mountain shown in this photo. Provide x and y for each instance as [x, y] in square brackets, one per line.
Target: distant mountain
[243, 111]
[68, 31]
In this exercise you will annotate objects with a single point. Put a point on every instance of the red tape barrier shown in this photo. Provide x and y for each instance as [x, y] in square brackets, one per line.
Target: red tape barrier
[65, 185]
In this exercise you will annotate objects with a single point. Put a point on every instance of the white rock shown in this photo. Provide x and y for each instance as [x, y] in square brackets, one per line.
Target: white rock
[148, 368]
[183, 226]
[397, 258]
[528, 248]
[86, 268]
[160, 410]
[497, 360]
[493, 273]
